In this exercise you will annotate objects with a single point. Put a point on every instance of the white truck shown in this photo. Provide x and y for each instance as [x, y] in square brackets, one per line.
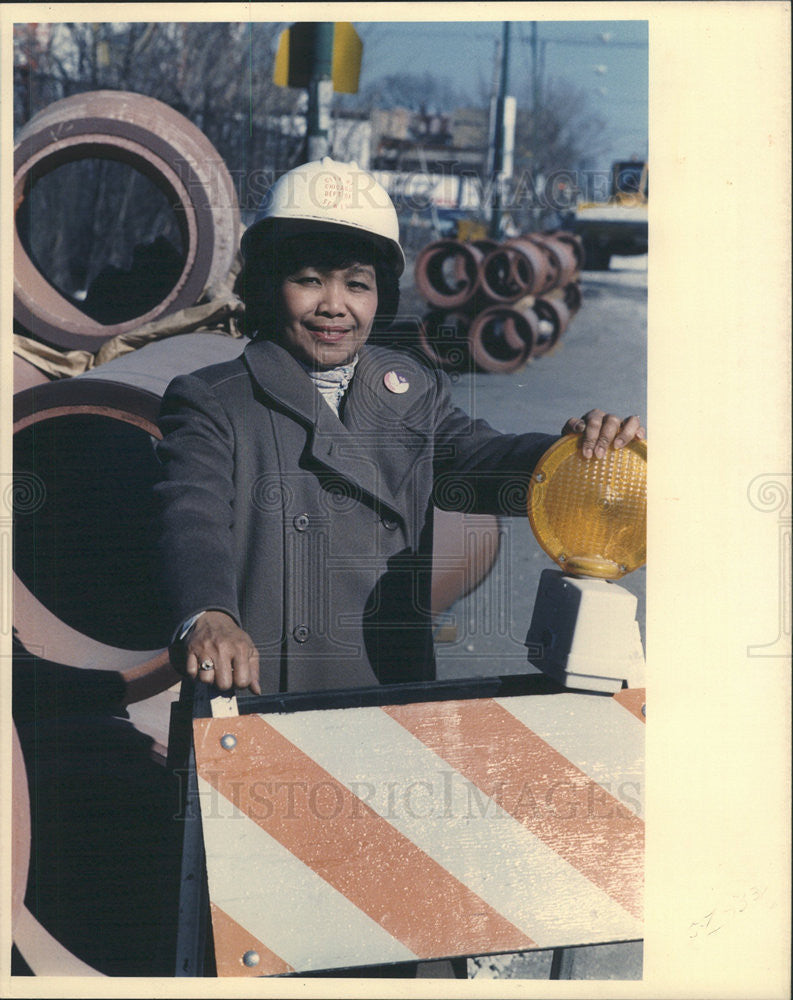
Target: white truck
[619, 225]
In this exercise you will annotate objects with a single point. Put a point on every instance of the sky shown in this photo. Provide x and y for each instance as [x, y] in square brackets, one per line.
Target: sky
[606, 59]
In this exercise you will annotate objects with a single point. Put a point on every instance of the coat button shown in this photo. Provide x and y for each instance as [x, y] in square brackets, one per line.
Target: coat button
[300, 633]
[389, 523]
[301, 522]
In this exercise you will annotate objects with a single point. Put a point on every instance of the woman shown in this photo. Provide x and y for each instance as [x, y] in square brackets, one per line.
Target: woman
[299, 480]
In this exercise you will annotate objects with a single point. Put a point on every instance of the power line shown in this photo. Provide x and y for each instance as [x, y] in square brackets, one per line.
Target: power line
[450, 31]
[397, 29]
[605, 46]
[595, 42]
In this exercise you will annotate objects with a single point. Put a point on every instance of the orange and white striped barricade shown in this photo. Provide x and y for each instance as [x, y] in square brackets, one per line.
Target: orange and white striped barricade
[419, 821]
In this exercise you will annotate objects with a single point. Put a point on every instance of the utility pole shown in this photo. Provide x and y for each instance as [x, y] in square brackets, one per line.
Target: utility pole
[502, 137]
[320, 92]
[535, 108]
[535, 70]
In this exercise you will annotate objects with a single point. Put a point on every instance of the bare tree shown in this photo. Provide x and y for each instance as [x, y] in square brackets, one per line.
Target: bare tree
[561, 132]
[421, 92]
[218, 74]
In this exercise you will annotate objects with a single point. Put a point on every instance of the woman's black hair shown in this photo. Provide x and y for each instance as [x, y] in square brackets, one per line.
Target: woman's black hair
[269, 261]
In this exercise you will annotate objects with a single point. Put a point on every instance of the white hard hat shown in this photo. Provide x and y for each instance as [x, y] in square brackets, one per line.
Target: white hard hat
[327, 194]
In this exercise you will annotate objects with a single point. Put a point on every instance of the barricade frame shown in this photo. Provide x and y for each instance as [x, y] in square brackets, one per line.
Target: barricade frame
[195, 946]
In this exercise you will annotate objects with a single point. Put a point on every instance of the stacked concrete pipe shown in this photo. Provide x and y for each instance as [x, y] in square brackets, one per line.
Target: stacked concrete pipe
[498, 305]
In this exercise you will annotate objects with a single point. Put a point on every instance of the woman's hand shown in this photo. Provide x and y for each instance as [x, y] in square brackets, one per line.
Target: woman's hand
[602, 430]
[219, 652]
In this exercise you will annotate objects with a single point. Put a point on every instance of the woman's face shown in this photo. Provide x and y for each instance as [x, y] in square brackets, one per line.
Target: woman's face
[326, 315]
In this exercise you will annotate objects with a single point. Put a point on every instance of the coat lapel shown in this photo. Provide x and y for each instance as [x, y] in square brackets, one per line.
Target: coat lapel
[284, 381]
[364, 449]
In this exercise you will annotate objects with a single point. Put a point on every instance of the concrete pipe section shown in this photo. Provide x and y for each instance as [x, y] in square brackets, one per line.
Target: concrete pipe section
[572, 297]
[162, 145]
[562, 258]
[84, 524]
[43, 954]
[501, 339]
[515, 269]
[27, 375]
[447, 273]
[98, 850]
[553, 318]
[573, 244]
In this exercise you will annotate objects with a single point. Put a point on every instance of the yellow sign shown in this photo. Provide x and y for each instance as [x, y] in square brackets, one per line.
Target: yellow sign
[347, 52]
[294, 59]
[281, 67]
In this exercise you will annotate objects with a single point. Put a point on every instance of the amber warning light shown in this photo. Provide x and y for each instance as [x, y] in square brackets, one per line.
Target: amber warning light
[590, 517]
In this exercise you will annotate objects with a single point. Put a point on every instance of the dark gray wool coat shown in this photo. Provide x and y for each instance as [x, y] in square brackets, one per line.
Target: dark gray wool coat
[314, 532]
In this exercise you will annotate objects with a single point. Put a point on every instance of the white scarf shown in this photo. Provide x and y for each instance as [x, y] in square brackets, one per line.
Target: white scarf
[332, 382]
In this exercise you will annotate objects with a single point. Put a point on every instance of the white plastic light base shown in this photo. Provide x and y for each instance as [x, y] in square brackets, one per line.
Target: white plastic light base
[584, 633]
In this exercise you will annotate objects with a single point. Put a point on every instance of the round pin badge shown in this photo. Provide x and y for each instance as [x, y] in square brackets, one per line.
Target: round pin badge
[395, 382]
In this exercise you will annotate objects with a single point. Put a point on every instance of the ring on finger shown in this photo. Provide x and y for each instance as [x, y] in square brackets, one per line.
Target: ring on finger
[207, 665]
